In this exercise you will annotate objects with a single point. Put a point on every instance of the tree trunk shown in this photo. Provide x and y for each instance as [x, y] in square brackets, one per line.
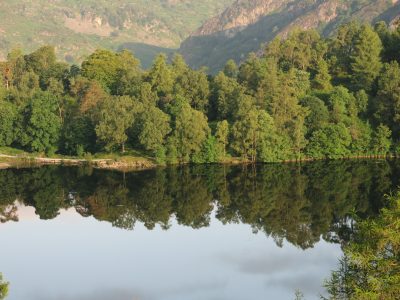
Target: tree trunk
[123, 147]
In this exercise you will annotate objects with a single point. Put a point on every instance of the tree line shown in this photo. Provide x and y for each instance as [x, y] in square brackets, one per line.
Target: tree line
[305, 97]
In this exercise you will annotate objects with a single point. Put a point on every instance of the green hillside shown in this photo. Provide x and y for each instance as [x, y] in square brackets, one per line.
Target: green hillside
[77, 28]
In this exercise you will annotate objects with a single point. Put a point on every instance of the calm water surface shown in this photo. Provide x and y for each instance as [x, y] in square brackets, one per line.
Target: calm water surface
[202, 232]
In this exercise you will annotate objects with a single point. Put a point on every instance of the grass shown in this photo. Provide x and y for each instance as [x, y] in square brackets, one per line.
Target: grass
[13, 152]
[131, 155]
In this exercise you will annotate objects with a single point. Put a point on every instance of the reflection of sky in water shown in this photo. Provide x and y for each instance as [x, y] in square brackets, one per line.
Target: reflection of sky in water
[72, 257]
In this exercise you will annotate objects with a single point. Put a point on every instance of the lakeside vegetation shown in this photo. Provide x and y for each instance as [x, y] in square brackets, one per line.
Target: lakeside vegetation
[370, 268]
[306, 97]
[3, 288]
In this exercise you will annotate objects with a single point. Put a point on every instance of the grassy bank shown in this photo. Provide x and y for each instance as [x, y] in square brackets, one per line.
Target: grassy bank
[11, 157]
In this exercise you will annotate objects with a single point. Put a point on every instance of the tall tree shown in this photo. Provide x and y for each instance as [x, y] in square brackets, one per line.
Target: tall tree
[381, 139]
[154, 126]
[366, 58]
[8, 118]
[387, 101]
[190, 130]
[42, 127]
[161, 78]
[371, 263]
[222, 134]
[116, 116]
[3, 288]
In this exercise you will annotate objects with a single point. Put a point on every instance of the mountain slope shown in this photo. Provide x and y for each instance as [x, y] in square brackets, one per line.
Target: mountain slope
[77, 27]
[247, 24]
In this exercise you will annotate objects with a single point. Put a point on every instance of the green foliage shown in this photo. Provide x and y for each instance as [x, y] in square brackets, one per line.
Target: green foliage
[190, 131]
[125, 25]
[318, 116]
[3, 288]
[115, 118]
[8, 117]
[387, 100]
[365, 59]
[306, 97]
[254, 136]
[371, 266]
[43, 124]
[333, 141]
[108, 67]
[161, 78]
[381, 140]
[154, 126]
[312, 198]
[222, 135]
[209, 152]
[79, 132]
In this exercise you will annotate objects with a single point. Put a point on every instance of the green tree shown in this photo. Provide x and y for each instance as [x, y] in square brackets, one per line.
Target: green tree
[78, 133]
[193, 86]
[251, 132]
[116, 116]
[361, 135]
[318, 116]
[332, 142]
[341, 50]
[381, 141]
[41, 60]
[224, 93]
[209, 151]
[154, 126]
[8, 118]
[322, 78]
[42, 124]
[190, 130]
[114, 71]
[101, 66]
[231, 69]
[3, 288]
[222, 134]
[386, 104]
[366, 58]
[370, 268]
[161, 78]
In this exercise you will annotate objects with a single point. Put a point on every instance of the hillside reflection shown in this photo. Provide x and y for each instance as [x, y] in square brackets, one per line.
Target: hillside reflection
[299, 204]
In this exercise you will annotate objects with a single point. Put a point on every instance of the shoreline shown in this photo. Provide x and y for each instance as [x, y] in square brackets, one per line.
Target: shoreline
[131, 163]
[11, 161]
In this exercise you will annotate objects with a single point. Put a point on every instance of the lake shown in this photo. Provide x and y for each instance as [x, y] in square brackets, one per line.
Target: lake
[193, 232]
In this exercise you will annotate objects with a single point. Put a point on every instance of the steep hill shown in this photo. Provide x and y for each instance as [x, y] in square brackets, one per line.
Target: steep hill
[247, 24]
[77, 27]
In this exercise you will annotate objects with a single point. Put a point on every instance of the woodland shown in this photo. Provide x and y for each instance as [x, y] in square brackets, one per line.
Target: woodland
[303, 97]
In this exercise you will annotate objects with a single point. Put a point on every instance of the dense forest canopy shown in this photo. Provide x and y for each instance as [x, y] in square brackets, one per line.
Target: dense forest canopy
[305, 97]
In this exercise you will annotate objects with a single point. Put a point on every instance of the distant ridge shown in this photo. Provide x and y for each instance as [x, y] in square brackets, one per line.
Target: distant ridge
[77, 28]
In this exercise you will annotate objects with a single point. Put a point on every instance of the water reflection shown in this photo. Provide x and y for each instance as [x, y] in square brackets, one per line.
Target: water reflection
[287, 202]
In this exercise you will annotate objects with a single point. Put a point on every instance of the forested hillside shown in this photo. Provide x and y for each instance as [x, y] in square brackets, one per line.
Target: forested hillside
[305, 97]
[77, 28]
[248, 24]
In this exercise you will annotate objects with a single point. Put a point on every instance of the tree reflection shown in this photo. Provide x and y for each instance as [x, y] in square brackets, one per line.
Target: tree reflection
[3, 288]
[296, 203]
[370, 267]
